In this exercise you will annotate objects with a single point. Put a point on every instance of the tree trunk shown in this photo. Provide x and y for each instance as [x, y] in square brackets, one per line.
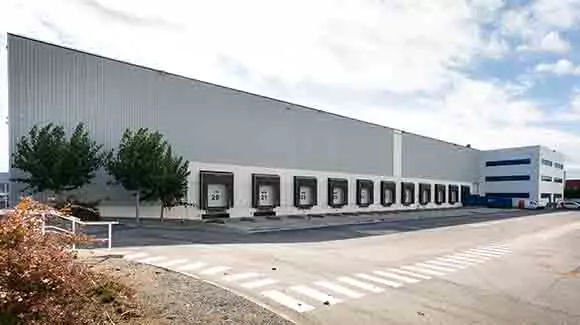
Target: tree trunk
[137, 201]
[162, 215]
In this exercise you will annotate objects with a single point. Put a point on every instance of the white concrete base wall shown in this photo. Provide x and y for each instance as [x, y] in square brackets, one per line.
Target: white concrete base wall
[243, 193]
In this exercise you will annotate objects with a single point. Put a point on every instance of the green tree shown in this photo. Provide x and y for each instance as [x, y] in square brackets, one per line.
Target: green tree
[136, 162]
[52, 162]
[171, 182]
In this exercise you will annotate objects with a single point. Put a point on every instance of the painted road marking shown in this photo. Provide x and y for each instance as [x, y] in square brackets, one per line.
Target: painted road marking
[435, 267]
[339, 289]
[422, 270]
[378, 280]
[396, 276]
[152, 259]
[215, 270]
[316, 295]
[136, 255]
[447, 264]
[287, 301]
[466, 259]
[192, 266]
[171, 262]
[479, 259]
[495, 249]
[484, 253]
[240, 276]
[360, 284]
[417, 275]
[454, 260]
[492, 251]
[258, 283]
[475, 255]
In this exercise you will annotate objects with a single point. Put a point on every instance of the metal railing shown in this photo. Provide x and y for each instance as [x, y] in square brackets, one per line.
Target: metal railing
[74, 222]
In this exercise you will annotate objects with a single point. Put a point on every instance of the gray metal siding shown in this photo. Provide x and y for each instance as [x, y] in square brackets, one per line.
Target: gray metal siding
[429, 158]
[204, 122]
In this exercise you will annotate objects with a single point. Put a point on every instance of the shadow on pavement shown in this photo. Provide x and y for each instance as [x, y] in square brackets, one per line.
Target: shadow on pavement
[131, 234]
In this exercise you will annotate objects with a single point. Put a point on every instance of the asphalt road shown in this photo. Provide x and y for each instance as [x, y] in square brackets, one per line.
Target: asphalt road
[518, 270]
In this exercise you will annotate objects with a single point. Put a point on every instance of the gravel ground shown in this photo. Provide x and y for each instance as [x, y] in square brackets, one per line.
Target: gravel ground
[173, 298]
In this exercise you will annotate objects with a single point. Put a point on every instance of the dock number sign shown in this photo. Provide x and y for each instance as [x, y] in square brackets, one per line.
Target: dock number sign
[305, 195]
[216, 196]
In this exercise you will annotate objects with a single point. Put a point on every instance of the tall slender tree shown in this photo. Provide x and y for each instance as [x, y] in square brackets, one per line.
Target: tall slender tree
[171, 182]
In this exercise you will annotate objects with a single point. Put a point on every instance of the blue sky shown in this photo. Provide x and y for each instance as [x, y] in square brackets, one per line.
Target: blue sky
[490, 73]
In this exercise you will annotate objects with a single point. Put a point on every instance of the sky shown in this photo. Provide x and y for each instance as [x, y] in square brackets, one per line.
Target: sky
[489, 73]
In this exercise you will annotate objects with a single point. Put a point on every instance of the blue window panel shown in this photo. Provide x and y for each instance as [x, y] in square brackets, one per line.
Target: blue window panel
[509, 195]
[507, 178]
[525, 161]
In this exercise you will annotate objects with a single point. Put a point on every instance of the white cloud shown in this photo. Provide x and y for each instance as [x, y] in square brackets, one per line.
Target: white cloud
[560, 67]
[550, 43]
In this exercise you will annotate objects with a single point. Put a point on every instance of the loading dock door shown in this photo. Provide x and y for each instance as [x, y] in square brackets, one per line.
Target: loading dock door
[305, 195]
[408, 196]
[453, 197]
[388, 196]
[265, 195]
[337, 195]
[217, 196]
[364, 196]
[424, 196]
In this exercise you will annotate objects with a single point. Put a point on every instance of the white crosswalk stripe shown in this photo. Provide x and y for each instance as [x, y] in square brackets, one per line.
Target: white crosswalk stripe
[495, 249]
[466, 259]
[484, 253]
[413, 274]
[171, 262]
[315, 294]
[360, 284]
[396, 277]
[448, 264]
[288, 301]
[480, 259]
[240, 276]
[379, 280]
[135, 255]
[151, 259]
[192, 266]
[474, 255]
[258, 283]
[339, 289]
[215, 270]
[435, 267]
[491, 251]
[422, 270]
[455, 260]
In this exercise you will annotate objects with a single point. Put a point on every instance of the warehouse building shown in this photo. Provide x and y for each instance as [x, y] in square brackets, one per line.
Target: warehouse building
[252, 155]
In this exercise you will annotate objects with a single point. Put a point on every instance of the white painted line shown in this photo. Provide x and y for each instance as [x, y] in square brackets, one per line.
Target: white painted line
[396, 277]
[240, 276]
[172, 262]
[493, 251]
[474, 255]
[360, 284]
[258, 283]
[456, 260]
[316, 295]
[448, 264]
[435, 267]
[339, 289]
[504, 246]
[152, 259]
[422, 270]
[215, 270]
[192, 266]
[135, 255]
[471, 257]
[466, 259]
[287, 301]
[484, 253]
[417, 275]
[379, 280]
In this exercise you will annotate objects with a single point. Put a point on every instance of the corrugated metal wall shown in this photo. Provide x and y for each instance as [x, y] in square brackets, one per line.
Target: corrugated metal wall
[429, 158]
[204, 122]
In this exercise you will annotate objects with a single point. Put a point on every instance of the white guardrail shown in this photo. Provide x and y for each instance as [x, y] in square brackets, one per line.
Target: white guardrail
[76, 221]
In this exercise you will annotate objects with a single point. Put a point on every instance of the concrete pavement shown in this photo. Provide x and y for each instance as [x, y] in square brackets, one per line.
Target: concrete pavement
[514, 271]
